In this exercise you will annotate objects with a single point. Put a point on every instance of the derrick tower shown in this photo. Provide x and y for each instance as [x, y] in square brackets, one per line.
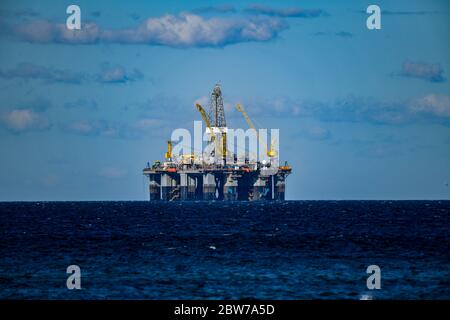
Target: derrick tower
[216, 111]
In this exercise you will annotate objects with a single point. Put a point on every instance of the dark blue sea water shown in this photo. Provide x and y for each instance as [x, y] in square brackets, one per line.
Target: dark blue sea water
[266, 250]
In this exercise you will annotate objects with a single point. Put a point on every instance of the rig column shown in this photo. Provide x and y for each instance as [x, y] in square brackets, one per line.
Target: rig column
[209, 187]
[230, 188]
[258, 189]
[155, 187]
[280, 187]
[187, 186]
[170, 190]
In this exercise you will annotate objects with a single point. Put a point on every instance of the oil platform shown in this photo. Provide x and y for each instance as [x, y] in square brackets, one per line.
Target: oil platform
[217, 173]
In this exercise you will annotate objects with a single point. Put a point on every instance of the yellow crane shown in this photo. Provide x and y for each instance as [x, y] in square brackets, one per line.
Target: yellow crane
[271, 152]
[205, 119]
[241, 109]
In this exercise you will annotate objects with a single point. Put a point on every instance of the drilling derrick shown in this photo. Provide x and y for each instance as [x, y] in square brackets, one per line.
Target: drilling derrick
[216, 111]
[218, 127]
[211, 175]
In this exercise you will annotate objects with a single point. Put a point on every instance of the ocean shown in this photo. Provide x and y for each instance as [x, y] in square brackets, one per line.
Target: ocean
[225, 250]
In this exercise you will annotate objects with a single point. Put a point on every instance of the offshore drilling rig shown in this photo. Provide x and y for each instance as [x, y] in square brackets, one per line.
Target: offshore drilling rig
[217, 173]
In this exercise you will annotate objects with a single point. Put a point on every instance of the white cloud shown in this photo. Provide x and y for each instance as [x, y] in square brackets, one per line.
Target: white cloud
[20, 120]
[436, 104]
[183, 30]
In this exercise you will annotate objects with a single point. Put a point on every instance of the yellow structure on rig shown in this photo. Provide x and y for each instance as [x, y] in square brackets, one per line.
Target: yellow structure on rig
[271, 153]
[168, 154]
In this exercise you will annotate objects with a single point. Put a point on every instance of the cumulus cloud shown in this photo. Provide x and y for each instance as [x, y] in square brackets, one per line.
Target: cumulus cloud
[421, 70]
[285, 12]
[435, 104]
[51, 75]
[183, 30]
[21, 120]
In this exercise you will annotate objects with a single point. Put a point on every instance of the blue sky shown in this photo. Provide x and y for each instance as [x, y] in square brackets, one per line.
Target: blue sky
[364, 114]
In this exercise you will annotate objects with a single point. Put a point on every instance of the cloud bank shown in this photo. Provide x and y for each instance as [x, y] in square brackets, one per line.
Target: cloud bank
[107, 74]
[183, 30]
[431, 108]
[51, 75]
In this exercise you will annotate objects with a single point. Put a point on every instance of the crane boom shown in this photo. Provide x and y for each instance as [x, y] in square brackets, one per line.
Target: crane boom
[241, 109]
[204, 115]
[205, 119]
[271, 152]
